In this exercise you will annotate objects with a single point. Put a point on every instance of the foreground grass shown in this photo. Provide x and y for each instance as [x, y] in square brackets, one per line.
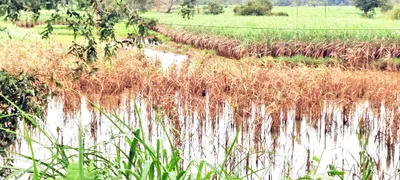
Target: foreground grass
[341, 23]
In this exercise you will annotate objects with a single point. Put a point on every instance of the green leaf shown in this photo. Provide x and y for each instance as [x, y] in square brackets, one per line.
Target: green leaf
[200, 170]
[316, 159]
[146, 169]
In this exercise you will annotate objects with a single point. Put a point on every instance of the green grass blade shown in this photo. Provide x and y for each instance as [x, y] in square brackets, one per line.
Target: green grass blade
[29, 141]
[200, 170]
[80, 165]
[146, 169]
[132, 153]
[227, 155]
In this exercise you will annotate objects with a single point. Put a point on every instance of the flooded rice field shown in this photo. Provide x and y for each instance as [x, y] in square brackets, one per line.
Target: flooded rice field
[280, 144]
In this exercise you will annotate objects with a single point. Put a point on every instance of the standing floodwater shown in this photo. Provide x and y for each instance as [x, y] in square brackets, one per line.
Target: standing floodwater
[286, 152]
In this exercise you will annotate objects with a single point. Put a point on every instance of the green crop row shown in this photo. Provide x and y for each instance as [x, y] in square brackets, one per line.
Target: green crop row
[303, 24]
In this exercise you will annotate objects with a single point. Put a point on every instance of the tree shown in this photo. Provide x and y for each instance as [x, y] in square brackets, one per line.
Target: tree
[254, 8]
[172, 2]
[283, 2]
[368, 5]
[387, 6]
[187, 8]
[83, 17]
[214, 7]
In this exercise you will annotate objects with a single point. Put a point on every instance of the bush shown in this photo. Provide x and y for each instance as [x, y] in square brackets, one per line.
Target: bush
[277, 14]
[253, 8]
[24, 91]
[369, 15]
[387, 6]
[214, 7]
[394, 13]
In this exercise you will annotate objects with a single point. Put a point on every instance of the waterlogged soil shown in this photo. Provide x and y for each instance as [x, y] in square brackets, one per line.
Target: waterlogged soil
[289, 147]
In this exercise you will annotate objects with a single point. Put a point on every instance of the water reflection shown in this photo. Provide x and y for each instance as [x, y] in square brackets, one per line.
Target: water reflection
[285, 150]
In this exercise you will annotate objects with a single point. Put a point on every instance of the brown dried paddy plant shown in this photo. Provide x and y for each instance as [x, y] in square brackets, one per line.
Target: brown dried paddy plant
[243, 84]
[355, 55]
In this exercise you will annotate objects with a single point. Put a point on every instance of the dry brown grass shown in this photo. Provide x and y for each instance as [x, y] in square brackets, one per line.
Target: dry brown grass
[242, 83]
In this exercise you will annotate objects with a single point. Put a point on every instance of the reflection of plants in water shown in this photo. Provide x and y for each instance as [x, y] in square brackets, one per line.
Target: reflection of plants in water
[141, 159]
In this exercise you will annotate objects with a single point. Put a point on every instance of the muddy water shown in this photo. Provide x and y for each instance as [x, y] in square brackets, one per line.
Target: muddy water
[285, 152]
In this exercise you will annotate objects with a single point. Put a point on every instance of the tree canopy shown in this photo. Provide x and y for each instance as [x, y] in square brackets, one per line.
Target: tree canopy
[369, 5]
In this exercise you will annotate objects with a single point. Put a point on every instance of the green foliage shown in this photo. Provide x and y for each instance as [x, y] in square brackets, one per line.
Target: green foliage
[394, 13]
[86, 19]
[310, 26]
[12, 8]
[368, 6]
[142, 33]
[366, 162]
[89, 173]
[214, 7]
[311, 2]
[387, 6]
[187, 9]
[253, 8]
[25, 91]
[313, 174]
[4, 30]
[136, 5]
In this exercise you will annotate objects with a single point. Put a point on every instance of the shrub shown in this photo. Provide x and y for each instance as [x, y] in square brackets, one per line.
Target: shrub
[254, 8]
[387, 6]
[277, 14]
[24, 91]
[369, 15]
[394, 13]
[214, 7]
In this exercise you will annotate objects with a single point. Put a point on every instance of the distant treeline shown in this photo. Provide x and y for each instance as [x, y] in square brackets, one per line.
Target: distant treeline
[311, 2]
[295, 2]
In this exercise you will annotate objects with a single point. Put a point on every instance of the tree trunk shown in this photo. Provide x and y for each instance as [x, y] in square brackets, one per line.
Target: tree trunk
[366, 13]
[170, 6]
[99, 9]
